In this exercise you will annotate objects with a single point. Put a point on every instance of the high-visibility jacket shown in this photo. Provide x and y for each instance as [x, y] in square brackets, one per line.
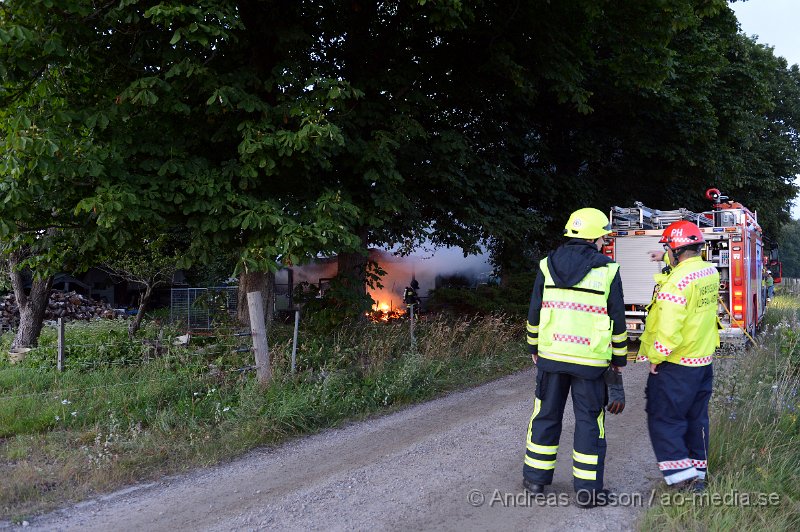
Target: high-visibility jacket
[681, 324]
[574, 325]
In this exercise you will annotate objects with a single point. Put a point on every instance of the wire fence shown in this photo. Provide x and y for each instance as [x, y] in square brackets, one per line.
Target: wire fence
[208, 344]
[138, 353]
[122, 351]
[201, 350]
[72, 355]
[198, 312]
[790, 285]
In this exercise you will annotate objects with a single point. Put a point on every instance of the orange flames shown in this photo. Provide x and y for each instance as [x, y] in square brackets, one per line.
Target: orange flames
[388, 297]
[383, 311]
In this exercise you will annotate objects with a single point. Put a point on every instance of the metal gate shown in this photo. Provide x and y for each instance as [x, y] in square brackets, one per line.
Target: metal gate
[199, 308]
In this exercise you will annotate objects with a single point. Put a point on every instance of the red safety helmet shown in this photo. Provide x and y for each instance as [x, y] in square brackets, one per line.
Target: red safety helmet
[681, 234]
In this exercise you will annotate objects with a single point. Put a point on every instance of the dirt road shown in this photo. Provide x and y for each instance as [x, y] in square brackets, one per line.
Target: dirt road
[450, 464]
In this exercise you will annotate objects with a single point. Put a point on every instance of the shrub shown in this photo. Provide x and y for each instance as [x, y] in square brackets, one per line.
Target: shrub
[512, 297]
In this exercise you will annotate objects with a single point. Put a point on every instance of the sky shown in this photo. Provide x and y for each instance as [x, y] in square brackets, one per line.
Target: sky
[775, 23]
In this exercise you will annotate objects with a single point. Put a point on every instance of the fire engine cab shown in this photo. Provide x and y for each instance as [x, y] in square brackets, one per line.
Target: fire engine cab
[734, 244]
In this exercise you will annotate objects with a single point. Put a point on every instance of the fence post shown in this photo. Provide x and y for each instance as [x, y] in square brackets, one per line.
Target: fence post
[411, 325]
[60, 344]
[255, 305]
[294, 341]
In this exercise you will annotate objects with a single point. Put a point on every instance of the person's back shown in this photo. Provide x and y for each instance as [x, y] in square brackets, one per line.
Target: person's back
[679, 327]
[577, 276]
[576, 329]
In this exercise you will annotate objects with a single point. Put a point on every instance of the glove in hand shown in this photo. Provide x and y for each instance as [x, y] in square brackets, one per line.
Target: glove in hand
[616, 391]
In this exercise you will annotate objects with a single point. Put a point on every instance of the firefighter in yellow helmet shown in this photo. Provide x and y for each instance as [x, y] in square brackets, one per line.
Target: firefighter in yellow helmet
[578, 340]
[679, 339]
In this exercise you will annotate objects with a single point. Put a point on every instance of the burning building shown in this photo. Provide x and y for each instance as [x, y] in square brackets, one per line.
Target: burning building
[400, 271]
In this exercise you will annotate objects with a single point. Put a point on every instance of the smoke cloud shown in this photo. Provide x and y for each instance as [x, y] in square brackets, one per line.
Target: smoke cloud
[400, 270]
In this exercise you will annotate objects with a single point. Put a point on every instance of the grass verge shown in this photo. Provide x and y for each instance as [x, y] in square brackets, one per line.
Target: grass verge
[754, 448]
[105, 423]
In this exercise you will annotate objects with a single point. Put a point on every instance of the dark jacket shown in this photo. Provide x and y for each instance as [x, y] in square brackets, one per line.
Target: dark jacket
[568, 265]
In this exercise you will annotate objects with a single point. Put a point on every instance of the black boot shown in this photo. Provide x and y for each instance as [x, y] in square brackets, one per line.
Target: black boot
[592, 498]
[535, 489]
[694, 485]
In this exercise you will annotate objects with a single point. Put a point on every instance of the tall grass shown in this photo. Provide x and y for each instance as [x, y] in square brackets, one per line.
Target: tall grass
[96, 427]
[754, 447]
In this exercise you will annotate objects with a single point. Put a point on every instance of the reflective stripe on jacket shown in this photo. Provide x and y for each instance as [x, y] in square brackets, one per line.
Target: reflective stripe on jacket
[574, 325]
[681, 324]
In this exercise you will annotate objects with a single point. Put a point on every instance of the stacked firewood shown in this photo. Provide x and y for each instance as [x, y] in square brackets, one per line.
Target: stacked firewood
[67, 305]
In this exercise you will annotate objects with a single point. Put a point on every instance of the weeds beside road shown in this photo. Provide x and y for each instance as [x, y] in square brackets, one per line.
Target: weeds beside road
[113, 420]
[104, 424]
[754, 448]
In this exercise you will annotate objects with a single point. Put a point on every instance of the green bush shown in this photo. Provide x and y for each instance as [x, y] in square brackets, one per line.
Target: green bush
[512, 298]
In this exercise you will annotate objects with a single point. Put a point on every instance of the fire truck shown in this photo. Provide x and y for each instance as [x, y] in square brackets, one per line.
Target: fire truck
[734, 244]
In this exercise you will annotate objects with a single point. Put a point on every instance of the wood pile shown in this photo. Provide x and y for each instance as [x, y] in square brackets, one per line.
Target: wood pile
[68, 305]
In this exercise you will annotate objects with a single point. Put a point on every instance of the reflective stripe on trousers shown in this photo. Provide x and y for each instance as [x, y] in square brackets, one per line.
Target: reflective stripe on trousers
[544, 429]
[677, 419]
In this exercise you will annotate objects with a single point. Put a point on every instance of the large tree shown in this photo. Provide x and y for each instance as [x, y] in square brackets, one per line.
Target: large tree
[113, 121]
[728, 118]
[278, 130]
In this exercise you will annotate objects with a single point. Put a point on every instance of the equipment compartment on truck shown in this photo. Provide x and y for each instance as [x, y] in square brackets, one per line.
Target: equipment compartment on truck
[734, 244]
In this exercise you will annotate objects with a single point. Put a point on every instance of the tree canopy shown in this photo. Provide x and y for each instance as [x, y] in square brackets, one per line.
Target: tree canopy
[789, 249]
[726, 116]
[284, 129]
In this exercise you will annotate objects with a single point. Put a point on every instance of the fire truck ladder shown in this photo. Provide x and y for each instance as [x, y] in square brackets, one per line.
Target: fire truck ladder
[642, 217]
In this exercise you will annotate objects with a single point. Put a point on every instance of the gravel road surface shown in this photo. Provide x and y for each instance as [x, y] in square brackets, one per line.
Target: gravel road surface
[450, 464]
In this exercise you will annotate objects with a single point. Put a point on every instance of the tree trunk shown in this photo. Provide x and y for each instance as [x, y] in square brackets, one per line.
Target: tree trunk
[352, 269]
[32, 307]
[353, 266]
[263, 282]
[144, 301]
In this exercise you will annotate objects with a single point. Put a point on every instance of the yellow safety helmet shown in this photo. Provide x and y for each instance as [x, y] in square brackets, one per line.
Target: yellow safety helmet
[588, 224]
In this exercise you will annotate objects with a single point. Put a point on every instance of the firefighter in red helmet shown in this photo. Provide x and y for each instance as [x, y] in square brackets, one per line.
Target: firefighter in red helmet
[679, 340]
